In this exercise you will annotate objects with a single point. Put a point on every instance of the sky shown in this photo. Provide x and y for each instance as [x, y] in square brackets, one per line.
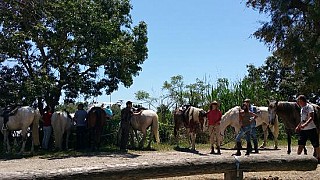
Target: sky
[196, 39]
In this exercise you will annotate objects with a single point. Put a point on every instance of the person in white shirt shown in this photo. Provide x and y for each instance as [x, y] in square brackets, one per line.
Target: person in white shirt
[307, 128]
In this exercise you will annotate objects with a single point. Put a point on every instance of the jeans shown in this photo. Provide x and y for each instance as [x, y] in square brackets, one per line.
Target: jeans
[46, 136]
[244, 130]
[81, 137]
[253, 131]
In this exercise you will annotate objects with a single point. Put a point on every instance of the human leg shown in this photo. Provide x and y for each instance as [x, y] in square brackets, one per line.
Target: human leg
[254, 137]
[238, 141]
[211, 138]
[46, 136]
[124, 135]
[217, 138]
[314, 138]
[302, 139]
[249, 147]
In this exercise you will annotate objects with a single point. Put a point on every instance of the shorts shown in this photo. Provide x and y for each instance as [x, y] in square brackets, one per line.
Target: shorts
[311, 134]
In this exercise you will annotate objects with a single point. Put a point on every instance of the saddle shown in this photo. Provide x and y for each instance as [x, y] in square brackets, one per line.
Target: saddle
[10, 110]
[7, 112]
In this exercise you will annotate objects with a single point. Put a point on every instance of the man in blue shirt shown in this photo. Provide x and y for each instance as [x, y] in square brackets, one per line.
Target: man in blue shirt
[253, 132]
[81, 123]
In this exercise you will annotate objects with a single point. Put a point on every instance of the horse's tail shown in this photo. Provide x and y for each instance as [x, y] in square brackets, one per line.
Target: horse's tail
[155, 127]
[35, 128]
[276, 127]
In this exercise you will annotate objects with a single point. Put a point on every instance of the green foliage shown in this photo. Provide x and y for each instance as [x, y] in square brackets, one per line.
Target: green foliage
[293, 33]
[64, 46]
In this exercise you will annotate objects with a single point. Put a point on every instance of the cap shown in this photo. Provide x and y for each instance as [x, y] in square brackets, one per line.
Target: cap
[246, 100]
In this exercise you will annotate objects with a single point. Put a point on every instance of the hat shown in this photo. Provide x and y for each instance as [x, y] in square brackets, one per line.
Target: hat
[246, 100]
[214, 103]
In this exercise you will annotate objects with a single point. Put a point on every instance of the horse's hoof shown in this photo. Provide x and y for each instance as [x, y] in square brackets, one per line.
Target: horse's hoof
[288, 152]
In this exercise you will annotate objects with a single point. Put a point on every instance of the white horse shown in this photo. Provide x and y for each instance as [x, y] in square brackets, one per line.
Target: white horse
[142, 122]
[231, 118]
[22, 120]
[61, 124]
[193, 119]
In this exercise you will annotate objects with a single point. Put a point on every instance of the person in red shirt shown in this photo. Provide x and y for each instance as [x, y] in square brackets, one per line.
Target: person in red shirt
[214, 117]
[47, 128]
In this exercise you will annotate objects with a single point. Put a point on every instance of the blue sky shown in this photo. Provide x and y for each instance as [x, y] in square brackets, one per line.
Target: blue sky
[195, 39]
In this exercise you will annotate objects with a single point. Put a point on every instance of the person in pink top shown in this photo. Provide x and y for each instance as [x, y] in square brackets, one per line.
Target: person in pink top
[214, 117]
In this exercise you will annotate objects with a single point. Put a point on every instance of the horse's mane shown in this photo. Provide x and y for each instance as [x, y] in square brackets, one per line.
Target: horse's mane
[229, 112]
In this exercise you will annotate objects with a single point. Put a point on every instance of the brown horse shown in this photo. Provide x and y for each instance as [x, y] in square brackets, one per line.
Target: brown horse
[289, 113]
[192, 119]
[95, 122]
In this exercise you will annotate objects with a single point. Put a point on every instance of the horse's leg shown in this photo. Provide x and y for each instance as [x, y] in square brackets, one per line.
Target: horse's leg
[275, 132]
[6, 142]
[176, 135]
[24, 140]
[265, 135]
[189, 135]
[67, 140]
[150, 138]
[289, 141]
[144, 135]
[193, 141]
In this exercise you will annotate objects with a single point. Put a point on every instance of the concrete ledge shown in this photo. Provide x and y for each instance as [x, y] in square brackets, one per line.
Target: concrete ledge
[233, 167]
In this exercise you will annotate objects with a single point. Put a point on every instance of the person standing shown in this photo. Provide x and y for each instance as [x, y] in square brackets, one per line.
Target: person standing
[81, 123]
[47, 128]
[245, 118]
[307, 128]
[126, 114]
[214, 117]
[253, 132]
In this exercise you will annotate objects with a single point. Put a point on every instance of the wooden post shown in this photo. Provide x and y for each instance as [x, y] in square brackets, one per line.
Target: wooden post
[233, 175]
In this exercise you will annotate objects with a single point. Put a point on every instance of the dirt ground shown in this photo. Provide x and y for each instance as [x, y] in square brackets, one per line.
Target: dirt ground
[31, 168]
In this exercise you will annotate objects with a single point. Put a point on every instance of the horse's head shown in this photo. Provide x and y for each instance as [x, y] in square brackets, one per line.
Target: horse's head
[202, 119]
[272, 111]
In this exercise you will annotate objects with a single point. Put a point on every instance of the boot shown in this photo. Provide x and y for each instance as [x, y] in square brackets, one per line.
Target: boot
[255, 145]
[212, 150]
[219, 152]
[238, 153]
[249, 148]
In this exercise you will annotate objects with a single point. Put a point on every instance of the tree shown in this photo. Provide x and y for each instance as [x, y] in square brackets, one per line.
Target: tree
[75, 47]
[196, 93]
[145, 96]
[175, 90]
[293, 33]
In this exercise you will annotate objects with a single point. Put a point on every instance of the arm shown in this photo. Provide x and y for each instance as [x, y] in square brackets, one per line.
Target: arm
[308, 120]
[254, 115]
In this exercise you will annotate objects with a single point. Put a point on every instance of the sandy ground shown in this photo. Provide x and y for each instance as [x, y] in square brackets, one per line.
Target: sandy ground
[30, 168]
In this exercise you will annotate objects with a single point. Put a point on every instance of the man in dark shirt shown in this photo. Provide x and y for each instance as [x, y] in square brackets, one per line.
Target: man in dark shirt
[125, 125]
